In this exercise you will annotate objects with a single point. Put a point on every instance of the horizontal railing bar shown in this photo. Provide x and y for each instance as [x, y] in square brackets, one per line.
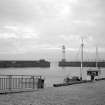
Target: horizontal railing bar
[22, 75]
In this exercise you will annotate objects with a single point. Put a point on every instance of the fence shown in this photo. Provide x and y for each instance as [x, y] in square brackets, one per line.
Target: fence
[17, 83]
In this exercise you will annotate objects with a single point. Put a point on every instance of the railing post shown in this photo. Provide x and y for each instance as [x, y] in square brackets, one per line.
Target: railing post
[10, 82]
[22, 81]
[33, 82]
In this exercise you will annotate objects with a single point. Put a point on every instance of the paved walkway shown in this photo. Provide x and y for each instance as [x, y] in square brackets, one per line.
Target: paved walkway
[79, 94]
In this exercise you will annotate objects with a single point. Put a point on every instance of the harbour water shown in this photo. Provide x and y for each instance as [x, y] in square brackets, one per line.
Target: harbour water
[54, 74]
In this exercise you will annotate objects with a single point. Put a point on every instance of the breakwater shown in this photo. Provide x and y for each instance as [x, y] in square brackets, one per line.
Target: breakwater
[23, 63]
[78, 63]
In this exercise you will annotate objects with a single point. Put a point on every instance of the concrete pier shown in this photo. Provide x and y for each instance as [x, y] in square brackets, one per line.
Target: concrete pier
[92, 93]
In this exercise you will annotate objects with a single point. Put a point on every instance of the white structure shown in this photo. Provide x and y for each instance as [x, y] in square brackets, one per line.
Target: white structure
[63, 53]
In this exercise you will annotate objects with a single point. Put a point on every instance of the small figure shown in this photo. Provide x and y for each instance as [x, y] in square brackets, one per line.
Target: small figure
[92, 76]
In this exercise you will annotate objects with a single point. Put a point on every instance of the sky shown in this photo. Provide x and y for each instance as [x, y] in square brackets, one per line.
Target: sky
[37, 29]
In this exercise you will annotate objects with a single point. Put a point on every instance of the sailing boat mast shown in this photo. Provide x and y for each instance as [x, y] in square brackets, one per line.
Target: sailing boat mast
[82, 45]
[96, 57]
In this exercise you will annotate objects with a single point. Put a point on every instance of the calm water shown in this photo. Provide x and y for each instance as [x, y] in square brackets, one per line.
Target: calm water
[52, 75]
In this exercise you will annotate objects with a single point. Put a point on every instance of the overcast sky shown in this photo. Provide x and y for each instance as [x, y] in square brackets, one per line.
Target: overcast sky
[34, 29]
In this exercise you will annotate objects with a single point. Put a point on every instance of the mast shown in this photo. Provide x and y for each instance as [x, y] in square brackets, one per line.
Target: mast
[96, 57]
[82, 45]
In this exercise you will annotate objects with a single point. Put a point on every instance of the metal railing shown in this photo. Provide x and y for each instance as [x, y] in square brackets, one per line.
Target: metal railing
[16, 83]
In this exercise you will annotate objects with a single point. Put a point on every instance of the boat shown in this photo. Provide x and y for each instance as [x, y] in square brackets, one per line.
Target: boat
[75, 79]
[24, 63]
[71, 81]
[94, 72]
[78, 80]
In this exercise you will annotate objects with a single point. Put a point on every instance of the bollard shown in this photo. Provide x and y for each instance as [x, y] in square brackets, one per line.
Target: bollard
[40, 83]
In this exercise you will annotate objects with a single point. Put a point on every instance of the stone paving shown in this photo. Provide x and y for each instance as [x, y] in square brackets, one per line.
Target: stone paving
[78, 94]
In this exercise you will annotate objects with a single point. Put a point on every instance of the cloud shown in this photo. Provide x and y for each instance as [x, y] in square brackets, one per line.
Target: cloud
[7, 35]
[28, 25]
[88, 22]
[18, 32]
[14, 28]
